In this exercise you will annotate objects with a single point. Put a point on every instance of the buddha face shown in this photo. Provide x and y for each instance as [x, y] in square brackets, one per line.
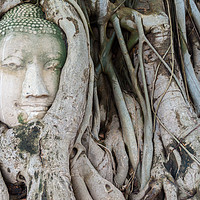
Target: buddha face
[30, 68]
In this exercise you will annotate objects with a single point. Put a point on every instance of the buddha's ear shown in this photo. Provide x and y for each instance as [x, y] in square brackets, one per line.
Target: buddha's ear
[6, 5]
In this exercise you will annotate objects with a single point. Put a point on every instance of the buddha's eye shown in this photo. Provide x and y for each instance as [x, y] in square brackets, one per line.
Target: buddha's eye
[52, 64]
[12, 66]
[12, 63]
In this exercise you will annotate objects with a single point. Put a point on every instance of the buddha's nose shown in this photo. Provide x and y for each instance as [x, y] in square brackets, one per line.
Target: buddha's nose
[33, 84]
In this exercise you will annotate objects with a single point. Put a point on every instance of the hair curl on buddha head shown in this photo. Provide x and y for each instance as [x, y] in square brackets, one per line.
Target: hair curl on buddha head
[28, 18]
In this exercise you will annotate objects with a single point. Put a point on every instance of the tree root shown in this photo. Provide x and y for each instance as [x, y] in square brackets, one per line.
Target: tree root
[193, 83]
[135, 112]
[92, 185]
[125, 120]
[114, 142]
[100, 158]
[160, 177]
[96, 118]
[195, 13]
[88, 111]
[148, 132]
[196, 57]
[195, 43]
[138, 124]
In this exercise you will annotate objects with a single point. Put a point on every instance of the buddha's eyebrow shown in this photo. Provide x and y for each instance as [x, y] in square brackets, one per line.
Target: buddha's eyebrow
[12, 56]
[54, 52]
[58, 54]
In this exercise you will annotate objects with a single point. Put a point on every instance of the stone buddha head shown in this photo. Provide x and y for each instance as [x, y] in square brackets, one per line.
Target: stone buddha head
[32, 53]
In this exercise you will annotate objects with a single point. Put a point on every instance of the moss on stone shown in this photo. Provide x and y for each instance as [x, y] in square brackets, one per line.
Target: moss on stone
[20, 118]
[29, 136]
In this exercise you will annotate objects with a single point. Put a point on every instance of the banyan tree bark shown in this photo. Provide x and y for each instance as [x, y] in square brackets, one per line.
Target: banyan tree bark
[175, 166]
[122, 125]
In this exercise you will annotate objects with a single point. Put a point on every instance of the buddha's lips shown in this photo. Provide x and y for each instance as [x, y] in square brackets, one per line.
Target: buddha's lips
[35, 108]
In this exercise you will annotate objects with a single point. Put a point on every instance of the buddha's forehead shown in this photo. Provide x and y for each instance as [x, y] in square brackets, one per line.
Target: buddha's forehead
[27, 45]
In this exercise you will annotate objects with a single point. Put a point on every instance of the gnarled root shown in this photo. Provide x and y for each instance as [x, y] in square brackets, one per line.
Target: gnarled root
[100, 157]
[114, 142]
[161, 179]
[88, 184]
